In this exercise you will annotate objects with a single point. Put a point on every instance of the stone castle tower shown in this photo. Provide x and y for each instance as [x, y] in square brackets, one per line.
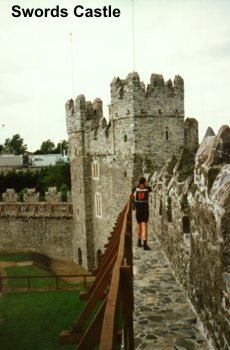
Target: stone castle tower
[146, 126]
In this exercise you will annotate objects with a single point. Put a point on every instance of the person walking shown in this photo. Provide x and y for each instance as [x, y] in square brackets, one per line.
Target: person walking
[140, 195]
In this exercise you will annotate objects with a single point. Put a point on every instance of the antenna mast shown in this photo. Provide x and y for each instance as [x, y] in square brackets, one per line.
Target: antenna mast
[72, 65]
[133, 32]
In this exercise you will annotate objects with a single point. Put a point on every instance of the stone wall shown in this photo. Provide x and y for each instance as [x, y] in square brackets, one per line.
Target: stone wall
[190, 207]
[43, 227]
[51, 236]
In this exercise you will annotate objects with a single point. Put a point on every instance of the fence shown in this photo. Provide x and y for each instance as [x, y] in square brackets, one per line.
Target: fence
[36, 210]
[56, 282]
[113, 286]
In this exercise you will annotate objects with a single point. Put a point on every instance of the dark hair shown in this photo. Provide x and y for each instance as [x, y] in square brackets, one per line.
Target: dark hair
[142, 180]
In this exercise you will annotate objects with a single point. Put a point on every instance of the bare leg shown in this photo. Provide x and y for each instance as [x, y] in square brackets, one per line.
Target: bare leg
[139, 231]
[145, 235]
[145, 230]
[139, 234]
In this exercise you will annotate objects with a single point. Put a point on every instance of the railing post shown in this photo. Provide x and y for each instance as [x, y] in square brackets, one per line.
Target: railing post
[84, 282]
[56, 278]
[0, 281]
[127, 306]
[129, 225]
[128, 250]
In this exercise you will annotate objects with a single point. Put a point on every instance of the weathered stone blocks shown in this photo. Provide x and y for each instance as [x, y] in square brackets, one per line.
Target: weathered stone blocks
[196, 234]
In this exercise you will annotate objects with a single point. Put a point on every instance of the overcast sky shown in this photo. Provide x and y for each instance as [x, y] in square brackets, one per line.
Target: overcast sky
[37, 77]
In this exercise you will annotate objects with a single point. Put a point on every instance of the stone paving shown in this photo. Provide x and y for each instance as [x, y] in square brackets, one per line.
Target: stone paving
[163, 317]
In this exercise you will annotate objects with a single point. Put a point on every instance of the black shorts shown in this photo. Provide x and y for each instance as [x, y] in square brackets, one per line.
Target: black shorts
[142, 212]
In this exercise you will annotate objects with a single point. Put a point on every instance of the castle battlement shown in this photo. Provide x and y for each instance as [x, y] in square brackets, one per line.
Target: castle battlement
[140, 117]
[131, 97]
[156, 108]
[31, 196]
[31, 205]
[80, 111]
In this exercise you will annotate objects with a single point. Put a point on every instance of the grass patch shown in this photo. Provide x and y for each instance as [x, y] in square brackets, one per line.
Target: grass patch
[31, 270]
[15, 257]
[34, 320]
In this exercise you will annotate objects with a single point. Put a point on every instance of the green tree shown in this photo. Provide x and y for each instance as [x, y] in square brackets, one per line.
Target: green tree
[15, 145]
[56, 175]
[47, 147]
[62, 147]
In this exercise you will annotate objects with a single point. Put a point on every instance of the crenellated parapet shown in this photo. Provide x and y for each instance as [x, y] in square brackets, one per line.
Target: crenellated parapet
[31, 196]
[80, 112]
[129, 98]
[215, 150]
[70, 116]
[52, 195]
[159, 98]
[189, 212]
[10, 196]
[126, 96]
[140, 118]
[191, 139]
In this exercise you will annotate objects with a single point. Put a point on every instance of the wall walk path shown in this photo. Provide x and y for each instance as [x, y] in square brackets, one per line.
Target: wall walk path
[163, 316]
